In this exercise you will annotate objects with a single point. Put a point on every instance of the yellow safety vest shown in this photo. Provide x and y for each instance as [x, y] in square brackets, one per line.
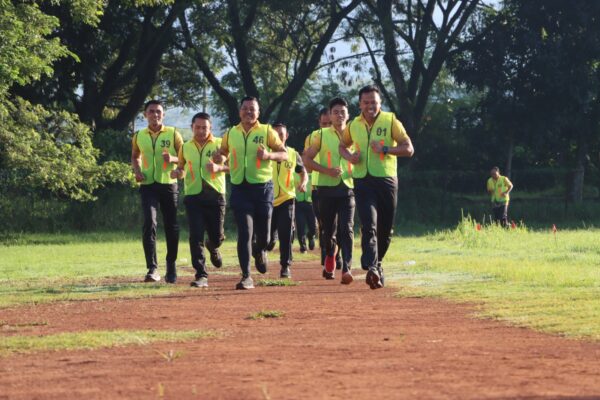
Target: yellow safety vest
[284, 183]
[243, 163]
[498, 186]
[154, 168]
[329, 156]
[375, 164]
[196, 171]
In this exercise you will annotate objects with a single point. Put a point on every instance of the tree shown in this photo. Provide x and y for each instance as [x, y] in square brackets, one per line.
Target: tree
[42, 149]
[416, 44]
[266, 49]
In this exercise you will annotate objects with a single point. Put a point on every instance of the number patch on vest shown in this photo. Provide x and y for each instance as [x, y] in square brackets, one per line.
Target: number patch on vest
[165, 143]
[258, 139]
[381, 131]
[288, 164]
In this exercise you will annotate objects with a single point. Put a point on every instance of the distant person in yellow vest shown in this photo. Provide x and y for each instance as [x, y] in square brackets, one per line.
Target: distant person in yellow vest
[251, 148]
[285, 186]
[204, 188]
[336, 195]
[378, 138]
[153, 158]
[306, 222]
[324, 122]
[499, 187]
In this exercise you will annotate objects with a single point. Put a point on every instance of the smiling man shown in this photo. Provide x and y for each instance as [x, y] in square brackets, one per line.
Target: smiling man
[251, 147]
[378, 138]
[153, 158]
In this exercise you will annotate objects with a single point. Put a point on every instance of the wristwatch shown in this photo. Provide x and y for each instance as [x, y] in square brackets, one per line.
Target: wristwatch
[384, 150]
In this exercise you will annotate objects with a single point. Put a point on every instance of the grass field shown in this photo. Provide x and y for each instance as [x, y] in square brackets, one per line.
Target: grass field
[538, 279]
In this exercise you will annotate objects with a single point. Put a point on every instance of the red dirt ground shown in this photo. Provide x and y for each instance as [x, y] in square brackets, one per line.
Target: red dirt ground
[333, 342]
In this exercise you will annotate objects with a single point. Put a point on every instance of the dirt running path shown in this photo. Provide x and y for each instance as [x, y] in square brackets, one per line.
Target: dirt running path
[334, 342]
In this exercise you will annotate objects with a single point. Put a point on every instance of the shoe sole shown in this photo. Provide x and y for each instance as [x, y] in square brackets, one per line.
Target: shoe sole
[347, 279]
[328, 275]
[151, 280]
[373, 280]
[242, 287]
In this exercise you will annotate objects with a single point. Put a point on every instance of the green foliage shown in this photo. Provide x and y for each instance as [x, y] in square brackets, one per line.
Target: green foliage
[276, 282]
[264, 314]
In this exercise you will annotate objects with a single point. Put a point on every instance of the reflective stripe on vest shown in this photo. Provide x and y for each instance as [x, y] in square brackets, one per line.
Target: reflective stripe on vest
[329, 157]
[314, 174]
[154, 168]
[243, 163]
[196, 171]
[378, 165]
[284, 182]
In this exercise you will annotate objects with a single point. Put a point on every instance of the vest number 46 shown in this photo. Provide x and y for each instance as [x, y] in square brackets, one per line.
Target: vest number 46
[258, 139]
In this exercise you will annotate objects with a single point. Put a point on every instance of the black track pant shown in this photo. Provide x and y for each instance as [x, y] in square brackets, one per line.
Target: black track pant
[316, 209]
[252, 206]
[305, 217]
[205, 214]
[282, 222]
[376, 200]
[333, 209]
[165, 196]
[501, 214]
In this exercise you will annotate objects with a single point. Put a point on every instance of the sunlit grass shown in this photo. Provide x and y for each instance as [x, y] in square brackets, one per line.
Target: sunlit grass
[538, 279]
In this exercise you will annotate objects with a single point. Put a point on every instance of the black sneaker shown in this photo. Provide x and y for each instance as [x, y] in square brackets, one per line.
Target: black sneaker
[381, 277]
[311, 244]
[302, 249]
[215, 258]
[245, 284]
[328, 275]
[373, 279]
[338, 262]
[285, 272]
[152, 276]
[171, 276]
[260, 262]
[271, 246]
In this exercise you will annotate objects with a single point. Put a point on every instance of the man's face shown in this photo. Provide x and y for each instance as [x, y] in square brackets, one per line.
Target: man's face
[495, 173]
[154, 114]
[282, 132]
[324, 121]
[339, 115]
[201, 129]
[370, 104]
[249, 111]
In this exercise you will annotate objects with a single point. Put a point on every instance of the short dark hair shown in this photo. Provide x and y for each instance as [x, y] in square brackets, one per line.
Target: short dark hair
[153, 102]
[368, 89]
[200, 115]
[279, 124]
[249, 98]
[337, 101]
[323, 111]
[495, 169]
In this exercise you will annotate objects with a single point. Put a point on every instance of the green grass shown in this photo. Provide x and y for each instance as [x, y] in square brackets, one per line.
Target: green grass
[89, 340]
[39, 268]
[276, 282]
[527, 278]
[266, 314]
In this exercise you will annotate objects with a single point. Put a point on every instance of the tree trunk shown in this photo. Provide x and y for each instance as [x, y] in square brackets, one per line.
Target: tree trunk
[577, 174]
[509, 155]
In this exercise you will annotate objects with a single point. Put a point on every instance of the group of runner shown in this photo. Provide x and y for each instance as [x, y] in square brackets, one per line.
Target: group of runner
[343, 166]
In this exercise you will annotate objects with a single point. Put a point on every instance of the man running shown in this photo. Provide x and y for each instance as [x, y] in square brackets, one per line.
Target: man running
[153, 158]
[284, 199]
[251, 146]
[304, 215]
[499, 187]
[336, 197]
[378, 138]
[204, 187]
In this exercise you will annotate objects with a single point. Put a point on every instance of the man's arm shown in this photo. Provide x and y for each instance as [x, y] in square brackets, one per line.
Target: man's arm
[308, 159]
[135, 159]
[301, 170]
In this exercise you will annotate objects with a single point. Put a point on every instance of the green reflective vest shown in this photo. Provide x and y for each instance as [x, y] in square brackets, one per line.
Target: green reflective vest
[195, 169]
[154, 168]
[375, 164]
[243, 163]
[284, 183]
[329, 156]
[498, 187]
[314, 174]
[306, 196]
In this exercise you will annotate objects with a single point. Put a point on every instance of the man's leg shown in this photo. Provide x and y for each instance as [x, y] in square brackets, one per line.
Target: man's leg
[301, 215]
[196, 224]
[387, 200]
[346, 235]
[168, 206]
[273, 232]
[149, 199]
[328, 207]
[263, 213]
[316, 208]
[366, 203]
[241, 203]
[214, 216]
[284, 227]
[505, 215]
[312, 226]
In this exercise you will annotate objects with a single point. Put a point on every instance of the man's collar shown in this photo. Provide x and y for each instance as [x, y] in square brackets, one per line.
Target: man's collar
[162, 129]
